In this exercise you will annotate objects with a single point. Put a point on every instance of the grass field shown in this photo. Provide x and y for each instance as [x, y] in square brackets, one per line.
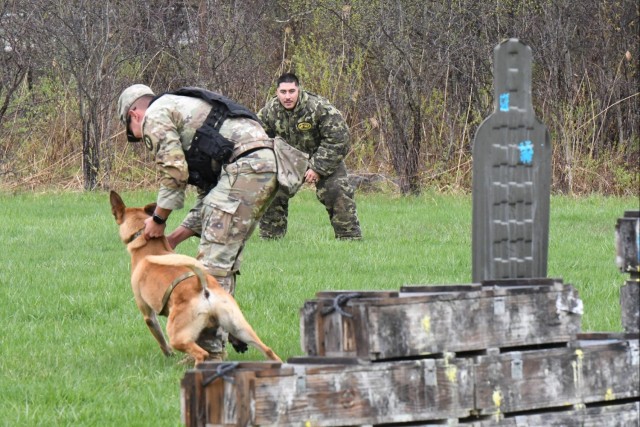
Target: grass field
[75, 351]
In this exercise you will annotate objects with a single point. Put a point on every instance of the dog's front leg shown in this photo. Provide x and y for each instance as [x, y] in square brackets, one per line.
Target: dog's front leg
[152, 323]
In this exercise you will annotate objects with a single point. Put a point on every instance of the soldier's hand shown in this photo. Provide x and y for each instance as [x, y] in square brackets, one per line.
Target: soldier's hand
[152, 229]
[311, 176]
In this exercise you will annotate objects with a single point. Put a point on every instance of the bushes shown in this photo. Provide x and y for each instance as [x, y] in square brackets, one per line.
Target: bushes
[413, 79]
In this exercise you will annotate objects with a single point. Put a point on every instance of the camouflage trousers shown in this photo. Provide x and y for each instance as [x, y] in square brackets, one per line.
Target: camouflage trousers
[337, 196]
[230, 214]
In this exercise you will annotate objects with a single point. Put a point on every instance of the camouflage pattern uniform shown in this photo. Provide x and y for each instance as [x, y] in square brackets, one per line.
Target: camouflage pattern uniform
[317, 128]
[226, 216]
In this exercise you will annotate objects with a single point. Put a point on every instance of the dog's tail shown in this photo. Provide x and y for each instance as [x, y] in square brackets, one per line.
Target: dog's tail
[178, 260]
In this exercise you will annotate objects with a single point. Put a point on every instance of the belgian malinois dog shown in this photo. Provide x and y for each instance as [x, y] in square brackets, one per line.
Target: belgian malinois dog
[169, 284]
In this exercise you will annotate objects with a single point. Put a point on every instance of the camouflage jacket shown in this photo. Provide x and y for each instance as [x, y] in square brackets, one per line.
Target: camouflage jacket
[169, 126]
[313, 126]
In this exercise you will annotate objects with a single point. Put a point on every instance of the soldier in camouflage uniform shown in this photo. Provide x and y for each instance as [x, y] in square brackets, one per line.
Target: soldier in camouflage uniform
[223, 217]
[311, 124]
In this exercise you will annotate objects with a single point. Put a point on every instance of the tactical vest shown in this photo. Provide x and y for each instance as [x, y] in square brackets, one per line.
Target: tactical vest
[208, 144]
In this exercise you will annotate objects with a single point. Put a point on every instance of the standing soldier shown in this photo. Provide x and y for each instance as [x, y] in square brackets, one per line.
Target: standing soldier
[236, 180]
[311, 124]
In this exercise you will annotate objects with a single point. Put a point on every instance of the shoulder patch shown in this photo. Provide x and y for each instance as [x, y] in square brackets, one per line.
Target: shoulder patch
[147, 143]
[304, 126]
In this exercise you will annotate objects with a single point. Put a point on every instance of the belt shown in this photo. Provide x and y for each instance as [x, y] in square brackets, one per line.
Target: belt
[245, 148]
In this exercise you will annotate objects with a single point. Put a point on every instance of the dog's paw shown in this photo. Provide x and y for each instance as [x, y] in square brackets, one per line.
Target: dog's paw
[239, 346]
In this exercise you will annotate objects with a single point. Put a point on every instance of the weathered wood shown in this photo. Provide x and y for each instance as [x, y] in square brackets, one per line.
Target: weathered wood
[333, 395]
[627, 234]
[630, 306]
[596, 369]
[191, 399]
[591, 370]
[614, 415]
[207, 398]
[423, 321]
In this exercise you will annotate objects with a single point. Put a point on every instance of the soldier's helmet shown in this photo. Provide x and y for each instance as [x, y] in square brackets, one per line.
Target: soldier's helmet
[127, 98]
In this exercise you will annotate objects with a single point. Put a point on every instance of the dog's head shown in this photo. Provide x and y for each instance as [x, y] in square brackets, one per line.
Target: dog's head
[130, 220]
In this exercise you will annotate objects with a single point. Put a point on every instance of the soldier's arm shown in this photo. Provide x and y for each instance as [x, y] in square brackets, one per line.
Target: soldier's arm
[334, 141]
[193, 220]
[266, 122]
[170, 160]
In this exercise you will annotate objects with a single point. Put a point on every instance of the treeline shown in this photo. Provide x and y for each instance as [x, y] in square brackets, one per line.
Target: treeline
[412, 77]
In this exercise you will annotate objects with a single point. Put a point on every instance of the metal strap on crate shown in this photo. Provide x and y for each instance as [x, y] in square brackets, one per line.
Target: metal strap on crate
[338, 302]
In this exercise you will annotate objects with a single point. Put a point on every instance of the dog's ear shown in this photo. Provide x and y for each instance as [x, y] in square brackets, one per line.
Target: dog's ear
[150, 208]
[117, 207]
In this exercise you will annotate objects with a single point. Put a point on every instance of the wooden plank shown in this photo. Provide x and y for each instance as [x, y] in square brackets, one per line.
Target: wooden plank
[422, 323]
[376, 393]
[615, 415]
[363, 393]
[630, 306]
[310, 337]
[191, 401]
[542, 281]
[440, 288]
[606, 336]
[590, 372]
[627, 233]
[322, 360]
[361, 294]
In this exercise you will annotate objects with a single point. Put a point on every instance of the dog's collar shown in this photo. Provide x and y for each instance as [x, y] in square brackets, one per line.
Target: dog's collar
[135, 236]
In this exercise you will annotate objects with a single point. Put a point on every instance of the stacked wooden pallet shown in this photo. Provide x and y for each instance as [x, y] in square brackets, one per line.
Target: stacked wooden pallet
[497, 353]
[628, 261]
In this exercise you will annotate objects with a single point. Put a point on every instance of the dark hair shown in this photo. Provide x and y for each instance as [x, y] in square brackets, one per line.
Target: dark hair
[288, 78]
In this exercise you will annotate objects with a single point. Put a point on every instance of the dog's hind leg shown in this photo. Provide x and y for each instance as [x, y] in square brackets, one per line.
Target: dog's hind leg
[245, 333]
[183, 332]
[152, 323]
[233, 321]
[239, 346]
[190, 347]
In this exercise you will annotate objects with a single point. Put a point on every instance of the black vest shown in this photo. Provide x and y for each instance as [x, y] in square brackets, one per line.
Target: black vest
[207, 143]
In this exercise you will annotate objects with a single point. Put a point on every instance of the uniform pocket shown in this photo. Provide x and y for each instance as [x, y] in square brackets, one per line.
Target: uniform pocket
[261, 161]
[217, 217]
[263, 166]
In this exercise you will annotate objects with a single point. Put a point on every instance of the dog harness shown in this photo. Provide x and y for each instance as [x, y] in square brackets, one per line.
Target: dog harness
[176, 282]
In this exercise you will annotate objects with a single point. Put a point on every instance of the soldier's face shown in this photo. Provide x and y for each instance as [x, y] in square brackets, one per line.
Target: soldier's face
[134, 122]
[288, 95]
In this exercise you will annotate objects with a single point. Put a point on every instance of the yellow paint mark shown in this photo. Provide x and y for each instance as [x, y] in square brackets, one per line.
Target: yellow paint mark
[609, 395]
[576, 365]
[426, 324]
[497, 401]
[307, 424]
[497, 398]
[452, 373]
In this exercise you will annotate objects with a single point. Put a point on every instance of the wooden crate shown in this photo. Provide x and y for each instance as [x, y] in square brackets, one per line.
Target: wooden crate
[630, 306]
[328, 393]
[611, 415]
[595, 368]
[422, 320]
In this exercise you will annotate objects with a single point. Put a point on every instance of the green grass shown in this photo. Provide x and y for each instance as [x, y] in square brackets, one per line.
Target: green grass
[75, 351]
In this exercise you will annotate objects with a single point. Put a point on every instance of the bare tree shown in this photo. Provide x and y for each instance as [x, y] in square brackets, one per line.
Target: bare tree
[15, 51]
[412, 77]
[87, 38]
